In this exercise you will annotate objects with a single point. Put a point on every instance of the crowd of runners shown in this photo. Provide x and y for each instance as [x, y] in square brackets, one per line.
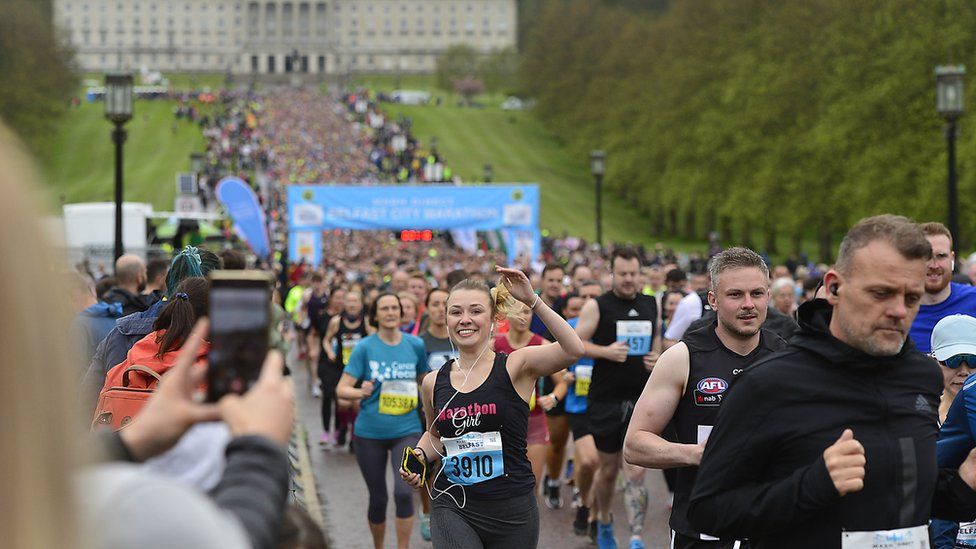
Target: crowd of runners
[789, 405]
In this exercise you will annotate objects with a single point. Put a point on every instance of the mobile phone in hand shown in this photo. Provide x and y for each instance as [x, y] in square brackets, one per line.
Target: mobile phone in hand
[240, 316]
[412, 464]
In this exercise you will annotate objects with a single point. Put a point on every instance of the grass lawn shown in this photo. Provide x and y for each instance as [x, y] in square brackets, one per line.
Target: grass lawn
[520, 150]
[82, 168]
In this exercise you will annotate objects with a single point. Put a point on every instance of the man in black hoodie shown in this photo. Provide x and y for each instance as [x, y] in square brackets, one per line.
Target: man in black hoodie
[830, 443]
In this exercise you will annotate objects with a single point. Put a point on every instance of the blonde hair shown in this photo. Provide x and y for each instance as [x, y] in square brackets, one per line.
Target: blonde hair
[501, 301]
[39, 437]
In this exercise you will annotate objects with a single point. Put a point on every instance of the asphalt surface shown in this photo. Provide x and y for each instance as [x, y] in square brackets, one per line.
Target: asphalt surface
[343, 496]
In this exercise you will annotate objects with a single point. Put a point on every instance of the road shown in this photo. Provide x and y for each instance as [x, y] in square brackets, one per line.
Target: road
[343, 497]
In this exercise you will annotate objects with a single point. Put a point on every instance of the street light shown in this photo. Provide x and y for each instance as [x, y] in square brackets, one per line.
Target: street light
[118, 111]
[949, 102]
[598, 160]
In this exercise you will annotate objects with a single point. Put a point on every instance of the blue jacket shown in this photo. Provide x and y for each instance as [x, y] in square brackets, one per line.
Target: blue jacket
[91, 326]
[956, 439]
[113, 349]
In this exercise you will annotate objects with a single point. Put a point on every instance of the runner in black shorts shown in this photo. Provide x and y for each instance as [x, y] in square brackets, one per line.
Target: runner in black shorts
[584, 456]
[623, 327]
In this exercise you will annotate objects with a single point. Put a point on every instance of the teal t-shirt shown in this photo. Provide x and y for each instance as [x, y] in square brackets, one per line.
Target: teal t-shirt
[391, 410]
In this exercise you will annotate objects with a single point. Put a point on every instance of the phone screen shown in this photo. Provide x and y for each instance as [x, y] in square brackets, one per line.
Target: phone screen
[239, 319]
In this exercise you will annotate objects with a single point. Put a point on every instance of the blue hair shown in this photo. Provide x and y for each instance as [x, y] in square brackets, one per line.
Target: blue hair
[186, 264]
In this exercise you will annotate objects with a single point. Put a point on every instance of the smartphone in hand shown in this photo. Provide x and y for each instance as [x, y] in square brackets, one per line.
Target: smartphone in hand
[412, 464]
[240, 316]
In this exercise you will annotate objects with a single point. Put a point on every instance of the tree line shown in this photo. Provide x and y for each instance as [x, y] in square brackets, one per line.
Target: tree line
[768, 121]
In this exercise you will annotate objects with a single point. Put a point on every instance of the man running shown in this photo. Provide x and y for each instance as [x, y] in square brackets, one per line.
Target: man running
[942, 296]
[691, 379]
[831, 442]
[622, 325]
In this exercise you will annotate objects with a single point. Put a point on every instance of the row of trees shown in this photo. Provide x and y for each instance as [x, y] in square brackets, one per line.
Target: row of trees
[759, 118]
[463, 70]
[35, 77]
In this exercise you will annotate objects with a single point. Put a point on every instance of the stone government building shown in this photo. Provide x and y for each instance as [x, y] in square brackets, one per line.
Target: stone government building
[242, 37]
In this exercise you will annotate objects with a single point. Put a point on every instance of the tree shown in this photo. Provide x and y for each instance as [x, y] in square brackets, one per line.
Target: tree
[456, 63]
[37, 81]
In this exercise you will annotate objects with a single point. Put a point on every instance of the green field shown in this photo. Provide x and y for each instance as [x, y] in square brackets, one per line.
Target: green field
[520, 150]
[82, 168]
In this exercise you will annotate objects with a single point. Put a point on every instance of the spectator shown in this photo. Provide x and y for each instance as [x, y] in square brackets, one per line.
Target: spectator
[156, 271]
[94, 319]
[783, 292]
[130, 278]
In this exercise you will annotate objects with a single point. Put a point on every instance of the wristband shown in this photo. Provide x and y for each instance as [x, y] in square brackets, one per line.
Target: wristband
[536, 302]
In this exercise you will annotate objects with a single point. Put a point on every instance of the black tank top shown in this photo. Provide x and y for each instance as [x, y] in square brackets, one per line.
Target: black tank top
[471, 423]
[712, 370]
[347, 338]
[635, 319]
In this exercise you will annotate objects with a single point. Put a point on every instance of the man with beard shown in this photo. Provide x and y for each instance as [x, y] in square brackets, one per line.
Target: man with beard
[691, 379]
[942, 296]
[830, 443]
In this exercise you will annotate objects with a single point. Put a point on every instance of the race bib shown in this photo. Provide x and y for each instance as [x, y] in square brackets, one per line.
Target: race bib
[703, 432]
[967, 535]
[473, 458]
[398, 397]
[348, 344]
[636, 334]
[436, 361]
[903, 538]
[584, 374]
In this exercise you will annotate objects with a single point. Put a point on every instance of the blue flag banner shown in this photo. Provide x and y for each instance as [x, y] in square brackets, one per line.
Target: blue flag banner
[513, 209]
[244, 209]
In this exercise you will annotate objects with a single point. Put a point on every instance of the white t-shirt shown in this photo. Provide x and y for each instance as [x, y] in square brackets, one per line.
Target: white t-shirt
[689, 309]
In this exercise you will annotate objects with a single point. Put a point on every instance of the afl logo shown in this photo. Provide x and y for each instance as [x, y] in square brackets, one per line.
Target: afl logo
[712, 386]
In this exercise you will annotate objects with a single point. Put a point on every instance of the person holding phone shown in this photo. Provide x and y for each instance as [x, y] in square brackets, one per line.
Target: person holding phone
[390, 364]
[477, 410]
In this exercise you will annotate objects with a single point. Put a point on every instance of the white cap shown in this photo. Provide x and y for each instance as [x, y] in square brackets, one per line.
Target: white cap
[954, 335]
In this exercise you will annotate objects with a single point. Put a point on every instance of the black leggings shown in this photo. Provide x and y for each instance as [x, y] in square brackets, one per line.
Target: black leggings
[371, 454]
[486, 524]
[329, 375]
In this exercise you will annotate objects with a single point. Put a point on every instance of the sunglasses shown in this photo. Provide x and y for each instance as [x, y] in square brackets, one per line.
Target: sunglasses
[957, 360]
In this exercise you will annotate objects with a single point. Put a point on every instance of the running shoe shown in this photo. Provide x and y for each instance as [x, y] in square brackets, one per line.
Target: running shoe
[425, 526]
[592, 531]
[636, 543]
[316, 391]
[581, 522]
[604, 536]
[553, 500]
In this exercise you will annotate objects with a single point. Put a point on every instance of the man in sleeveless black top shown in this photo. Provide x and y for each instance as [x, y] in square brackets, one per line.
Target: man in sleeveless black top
[620, 331]
[692, 377]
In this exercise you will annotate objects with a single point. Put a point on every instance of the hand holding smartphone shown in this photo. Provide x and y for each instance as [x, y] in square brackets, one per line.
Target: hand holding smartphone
[413, 464]
[240, 316]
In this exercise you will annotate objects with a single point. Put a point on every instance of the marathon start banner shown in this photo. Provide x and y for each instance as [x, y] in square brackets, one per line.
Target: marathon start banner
[511, 209]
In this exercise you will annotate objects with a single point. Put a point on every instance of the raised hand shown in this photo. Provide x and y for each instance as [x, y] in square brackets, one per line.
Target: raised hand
[517, 284]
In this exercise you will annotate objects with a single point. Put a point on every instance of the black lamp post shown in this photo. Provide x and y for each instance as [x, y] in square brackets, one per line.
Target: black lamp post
[597, 167]
[489, 173]
[118, 111]
[949, 103]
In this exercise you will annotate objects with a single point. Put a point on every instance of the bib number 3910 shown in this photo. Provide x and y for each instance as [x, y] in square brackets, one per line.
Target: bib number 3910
[474, 458]
[636, 334]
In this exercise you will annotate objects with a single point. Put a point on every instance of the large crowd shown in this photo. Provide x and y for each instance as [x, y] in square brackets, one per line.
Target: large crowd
[491, 390]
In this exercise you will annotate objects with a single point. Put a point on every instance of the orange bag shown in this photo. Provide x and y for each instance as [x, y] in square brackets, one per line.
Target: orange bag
[119, 404]
[129, 384]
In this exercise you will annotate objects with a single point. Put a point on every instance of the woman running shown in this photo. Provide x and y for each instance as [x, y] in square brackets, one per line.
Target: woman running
[389, 364]
[477, 410]
[342, 335]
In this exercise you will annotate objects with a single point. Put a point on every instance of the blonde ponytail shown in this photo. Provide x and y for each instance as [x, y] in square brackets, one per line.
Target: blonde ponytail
[504, 303]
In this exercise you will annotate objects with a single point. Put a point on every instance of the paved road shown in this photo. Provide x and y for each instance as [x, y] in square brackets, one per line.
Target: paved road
[343, 496]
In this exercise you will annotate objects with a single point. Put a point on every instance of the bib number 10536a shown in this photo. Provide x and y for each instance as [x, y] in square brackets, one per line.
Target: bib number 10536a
[473, 458]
